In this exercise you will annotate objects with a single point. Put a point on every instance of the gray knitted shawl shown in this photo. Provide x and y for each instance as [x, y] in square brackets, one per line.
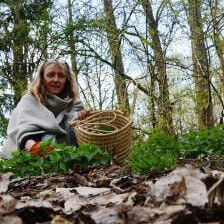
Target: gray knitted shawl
[31, 117]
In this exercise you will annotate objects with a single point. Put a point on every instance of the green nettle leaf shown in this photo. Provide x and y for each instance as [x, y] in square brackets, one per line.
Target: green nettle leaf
[16, 153]
[62, 159]
[202, 143]
[63, 167]
[87, 151]
[159, 152]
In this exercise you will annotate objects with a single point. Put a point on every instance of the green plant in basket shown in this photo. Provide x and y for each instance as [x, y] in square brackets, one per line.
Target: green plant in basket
[104, 127]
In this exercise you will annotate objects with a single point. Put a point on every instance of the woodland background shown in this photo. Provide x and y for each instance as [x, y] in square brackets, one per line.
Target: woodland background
[173, 51]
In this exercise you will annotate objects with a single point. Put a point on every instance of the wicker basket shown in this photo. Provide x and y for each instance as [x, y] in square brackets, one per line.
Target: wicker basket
[108, 130]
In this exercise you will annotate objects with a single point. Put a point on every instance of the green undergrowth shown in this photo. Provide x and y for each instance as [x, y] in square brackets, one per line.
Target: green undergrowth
[202, 143]
[158, 152]
[62, 159]
[161, 151]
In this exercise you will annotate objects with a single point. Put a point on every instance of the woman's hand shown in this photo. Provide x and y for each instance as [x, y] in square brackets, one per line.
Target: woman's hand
[83, 114]
[34, 148]
[29, 144]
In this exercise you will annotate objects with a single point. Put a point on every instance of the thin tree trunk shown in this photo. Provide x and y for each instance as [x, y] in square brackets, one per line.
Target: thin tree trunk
[115, 51]
[204, 106]
[165, 109]
[151, 88]
[72, 41]
[21, 31]
[152, 100]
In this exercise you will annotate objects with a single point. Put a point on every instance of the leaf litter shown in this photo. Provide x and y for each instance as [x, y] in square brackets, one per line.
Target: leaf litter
[114, 195]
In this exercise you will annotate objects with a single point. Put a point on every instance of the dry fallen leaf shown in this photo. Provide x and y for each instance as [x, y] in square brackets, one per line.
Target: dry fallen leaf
[91, 191]
[183, 185]
[111, 197]
[108, 216]
[60, 220]
[7, 204]
[123, 184]
[76, 198]
[171, 186]
[196, 194]
[11, 220]
[73, 204]
[140, 214]
[4, 182]
[34, 203]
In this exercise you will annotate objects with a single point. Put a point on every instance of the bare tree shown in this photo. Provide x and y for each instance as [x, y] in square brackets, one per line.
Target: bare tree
[204, 105]
[72, 40]
[116, 55]
[20, 49]
[160, 74]
[217, 27]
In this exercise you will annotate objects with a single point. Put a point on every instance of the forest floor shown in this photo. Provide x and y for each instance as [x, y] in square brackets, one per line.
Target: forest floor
[193, 192]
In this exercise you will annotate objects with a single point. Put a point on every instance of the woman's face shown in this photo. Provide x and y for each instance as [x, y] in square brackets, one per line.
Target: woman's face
[55, 76]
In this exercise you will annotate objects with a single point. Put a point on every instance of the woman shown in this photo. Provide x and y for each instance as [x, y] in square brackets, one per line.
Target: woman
[44, 112]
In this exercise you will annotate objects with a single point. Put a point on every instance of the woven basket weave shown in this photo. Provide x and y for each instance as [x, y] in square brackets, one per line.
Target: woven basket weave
[115, 136]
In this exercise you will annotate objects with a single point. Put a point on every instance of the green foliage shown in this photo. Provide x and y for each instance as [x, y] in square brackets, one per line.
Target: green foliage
[159, 151]
[202, 143]
[21, 31]
[4, 124]
[83, 23]
[62, 159]
[105, 127]
[5, 104]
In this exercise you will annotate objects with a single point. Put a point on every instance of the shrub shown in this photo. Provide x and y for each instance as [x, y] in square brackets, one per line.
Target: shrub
[159, 151]
[62, 159]
[202, 143]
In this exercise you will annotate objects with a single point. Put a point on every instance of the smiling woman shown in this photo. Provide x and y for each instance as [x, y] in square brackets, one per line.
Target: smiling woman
[55, 76]
[52, 100]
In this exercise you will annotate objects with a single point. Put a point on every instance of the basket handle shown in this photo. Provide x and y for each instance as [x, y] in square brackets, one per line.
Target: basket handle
[98, 129]
[92, 115]
[96, 113]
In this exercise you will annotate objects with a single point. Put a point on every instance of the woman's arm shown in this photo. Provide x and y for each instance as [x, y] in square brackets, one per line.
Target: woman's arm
[78, 111]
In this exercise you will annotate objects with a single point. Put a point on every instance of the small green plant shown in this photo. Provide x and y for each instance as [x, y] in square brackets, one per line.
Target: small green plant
[105, 127]
[62, 159]
[202, 143]
[159, 152]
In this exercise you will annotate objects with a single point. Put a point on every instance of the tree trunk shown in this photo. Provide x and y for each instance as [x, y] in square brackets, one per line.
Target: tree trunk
[152, 105]
[217, 37]
[20, 73]
[115, 51]
[165, 109]
[204, 106]
[151, 87]
[72, 41]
